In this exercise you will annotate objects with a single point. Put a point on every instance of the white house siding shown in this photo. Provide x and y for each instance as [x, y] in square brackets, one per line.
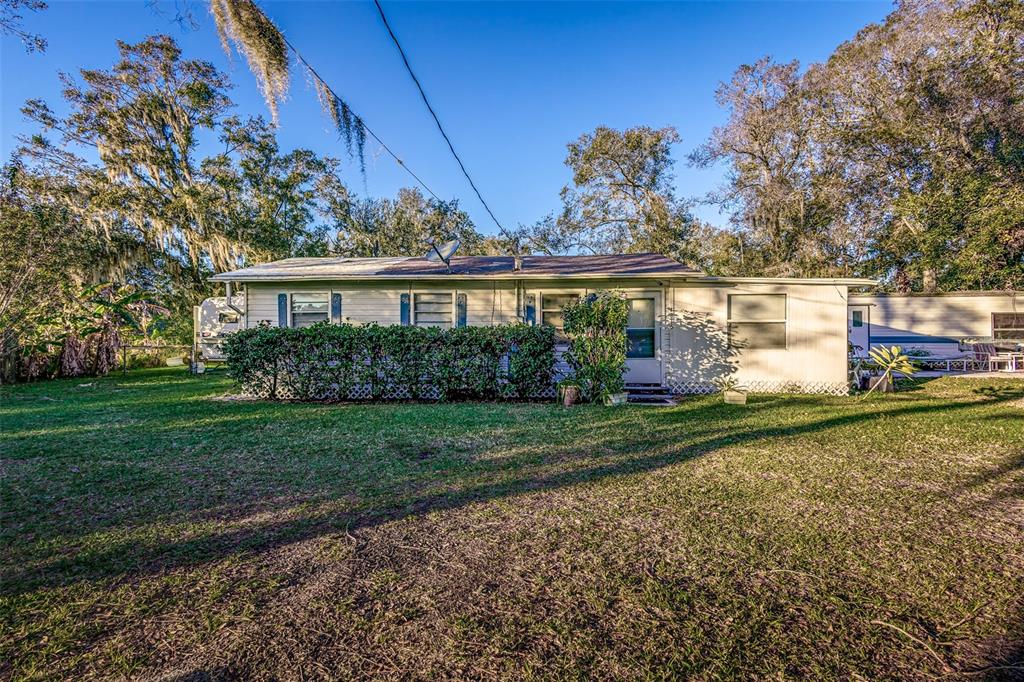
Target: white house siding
[538, 288]
[935, 323]
[359, 303]
[814, 360]
[380, 302]
[815, 357]
[489, 303]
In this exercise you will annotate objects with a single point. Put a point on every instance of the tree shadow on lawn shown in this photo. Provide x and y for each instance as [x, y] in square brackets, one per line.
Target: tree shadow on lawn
[1006, 657]
[133, 558]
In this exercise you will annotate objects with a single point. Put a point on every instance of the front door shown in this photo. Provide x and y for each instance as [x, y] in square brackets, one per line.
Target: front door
[643, 339]
[859, 326]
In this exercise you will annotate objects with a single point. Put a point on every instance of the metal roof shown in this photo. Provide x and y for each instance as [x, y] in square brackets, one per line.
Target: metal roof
[939, 294]
[844, 281]
[464, 267]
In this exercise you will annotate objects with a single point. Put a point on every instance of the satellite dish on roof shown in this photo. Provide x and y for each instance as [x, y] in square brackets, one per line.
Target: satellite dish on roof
[443, 253]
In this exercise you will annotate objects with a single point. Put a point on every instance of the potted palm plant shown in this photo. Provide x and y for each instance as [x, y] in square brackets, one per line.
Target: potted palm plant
[888, 361]
[733, 392]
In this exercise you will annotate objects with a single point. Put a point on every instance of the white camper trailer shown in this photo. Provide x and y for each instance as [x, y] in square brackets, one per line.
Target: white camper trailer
[943, 324]
[212, 320]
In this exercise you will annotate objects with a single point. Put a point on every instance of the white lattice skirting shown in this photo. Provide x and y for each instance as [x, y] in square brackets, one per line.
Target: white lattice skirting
[361, 392]
[678, 387]
[681, 387]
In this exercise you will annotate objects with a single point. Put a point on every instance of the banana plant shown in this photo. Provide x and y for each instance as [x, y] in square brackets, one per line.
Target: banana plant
[96, 326]
[889, 361]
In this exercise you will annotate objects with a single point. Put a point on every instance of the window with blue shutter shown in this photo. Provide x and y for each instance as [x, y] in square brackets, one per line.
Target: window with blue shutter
[310, 307]
[531, 309]
[336, 308]
[405, 309]
[282, 310]
[460, 310]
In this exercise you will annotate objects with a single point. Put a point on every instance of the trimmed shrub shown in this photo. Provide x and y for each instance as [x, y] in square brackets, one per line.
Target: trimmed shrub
[596, 327]
[338, 362]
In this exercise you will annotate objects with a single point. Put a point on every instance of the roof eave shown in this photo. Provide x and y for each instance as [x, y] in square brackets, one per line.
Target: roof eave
[232, 277]
[848, 281]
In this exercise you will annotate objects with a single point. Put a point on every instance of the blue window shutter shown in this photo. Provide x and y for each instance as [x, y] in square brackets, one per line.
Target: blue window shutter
[336, 308]
[282, 310]
[460, 310]
[531, 309]
[405, 309]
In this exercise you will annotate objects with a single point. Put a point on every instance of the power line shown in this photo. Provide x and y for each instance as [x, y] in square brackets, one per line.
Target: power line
[423, 94]
[398, 160]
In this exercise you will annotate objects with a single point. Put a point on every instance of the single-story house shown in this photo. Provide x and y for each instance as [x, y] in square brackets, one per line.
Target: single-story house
[686, 329]
[937, 324]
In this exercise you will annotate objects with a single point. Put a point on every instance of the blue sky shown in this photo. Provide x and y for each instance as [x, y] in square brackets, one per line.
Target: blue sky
[512, 82]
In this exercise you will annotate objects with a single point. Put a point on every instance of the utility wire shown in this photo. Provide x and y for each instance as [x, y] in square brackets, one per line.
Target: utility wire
[398, 160]
[423, 94]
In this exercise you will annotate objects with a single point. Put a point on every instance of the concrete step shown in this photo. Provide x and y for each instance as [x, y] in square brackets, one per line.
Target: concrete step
[649, 394]
[650, 400]
[647, 389]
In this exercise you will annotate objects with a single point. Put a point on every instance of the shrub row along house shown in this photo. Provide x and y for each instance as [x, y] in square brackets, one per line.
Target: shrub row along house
[685, 331]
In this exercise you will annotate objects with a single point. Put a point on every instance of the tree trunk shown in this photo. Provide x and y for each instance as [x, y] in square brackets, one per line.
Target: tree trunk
[107, 343]
[72, 357]
[9, 357]
[930, 283]
[902, 281]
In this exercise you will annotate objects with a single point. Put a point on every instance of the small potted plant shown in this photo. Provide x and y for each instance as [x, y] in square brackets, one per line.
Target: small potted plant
[569, 392]
[733, 392]
[610, 399]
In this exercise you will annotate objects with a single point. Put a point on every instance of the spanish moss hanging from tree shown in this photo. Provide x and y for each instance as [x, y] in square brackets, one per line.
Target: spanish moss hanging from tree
[348, 124]
[243, 23]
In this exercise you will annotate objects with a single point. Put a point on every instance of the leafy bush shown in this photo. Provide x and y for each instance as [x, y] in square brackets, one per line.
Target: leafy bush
[596, 327]
[335, 362]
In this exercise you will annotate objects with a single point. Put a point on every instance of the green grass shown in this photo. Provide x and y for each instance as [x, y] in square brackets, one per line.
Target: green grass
[152, 530]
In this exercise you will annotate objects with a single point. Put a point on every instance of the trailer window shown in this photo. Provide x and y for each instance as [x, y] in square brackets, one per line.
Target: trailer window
[757, 321]
[309, 308]
[1008, 325]
[227, 318]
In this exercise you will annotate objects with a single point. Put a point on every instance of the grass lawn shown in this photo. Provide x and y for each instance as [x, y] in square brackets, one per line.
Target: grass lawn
[151, 530]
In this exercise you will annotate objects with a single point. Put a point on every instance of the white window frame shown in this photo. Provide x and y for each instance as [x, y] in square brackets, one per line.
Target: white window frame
[730, 320]
[1018, 328]
[412, 307]
[659, 302]
[541, 293]
[291, 304]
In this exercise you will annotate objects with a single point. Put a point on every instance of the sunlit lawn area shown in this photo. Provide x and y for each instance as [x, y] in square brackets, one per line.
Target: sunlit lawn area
[152, 530]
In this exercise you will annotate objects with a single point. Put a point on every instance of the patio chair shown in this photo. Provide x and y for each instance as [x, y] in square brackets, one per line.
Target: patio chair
[988, 354]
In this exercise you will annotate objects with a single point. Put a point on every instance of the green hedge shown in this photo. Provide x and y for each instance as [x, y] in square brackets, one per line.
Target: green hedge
[339, 362]
[596, 327]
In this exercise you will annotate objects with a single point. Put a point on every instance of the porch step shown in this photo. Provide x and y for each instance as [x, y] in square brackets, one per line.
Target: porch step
[647, 389]
[649, 394]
